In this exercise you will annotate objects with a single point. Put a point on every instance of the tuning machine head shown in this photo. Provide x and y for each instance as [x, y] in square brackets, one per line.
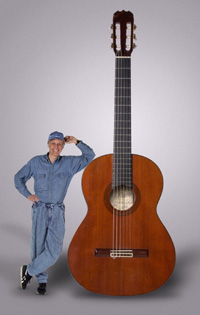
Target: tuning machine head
[123, 36]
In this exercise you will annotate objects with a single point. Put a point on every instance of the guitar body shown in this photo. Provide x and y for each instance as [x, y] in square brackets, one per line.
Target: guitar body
[138, 229]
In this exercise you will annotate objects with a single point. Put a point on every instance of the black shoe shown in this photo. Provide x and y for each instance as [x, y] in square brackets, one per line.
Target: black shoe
[41, 290]
[24, 277]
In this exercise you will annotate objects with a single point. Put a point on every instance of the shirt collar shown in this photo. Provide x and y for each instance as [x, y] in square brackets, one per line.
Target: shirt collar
[47, 157]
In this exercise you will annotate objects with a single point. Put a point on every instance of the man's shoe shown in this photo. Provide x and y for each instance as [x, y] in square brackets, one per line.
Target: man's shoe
[24, 277]
[41, 290]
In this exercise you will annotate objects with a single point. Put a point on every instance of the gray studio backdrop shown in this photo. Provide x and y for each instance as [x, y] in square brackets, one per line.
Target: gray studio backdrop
[57, 73]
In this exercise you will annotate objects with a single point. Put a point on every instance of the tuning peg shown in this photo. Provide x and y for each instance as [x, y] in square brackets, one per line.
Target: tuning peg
[112, 35]
[134, 27]
[111, 27]
[134, 36]
[134, 46]
[112, 45]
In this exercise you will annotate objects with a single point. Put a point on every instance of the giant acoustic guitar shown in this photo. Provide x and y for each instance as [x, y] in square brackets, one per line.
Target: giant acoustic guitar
[122, 247]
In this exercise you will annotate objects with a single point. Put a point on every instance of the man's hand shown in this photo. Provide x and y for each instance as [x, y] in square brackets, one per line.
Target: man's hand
[33, 198]
[70, 139]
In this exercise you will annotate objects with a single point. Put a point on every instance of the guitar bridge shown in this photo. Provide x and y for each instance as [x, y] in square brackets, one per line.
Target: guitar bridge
[121, 253]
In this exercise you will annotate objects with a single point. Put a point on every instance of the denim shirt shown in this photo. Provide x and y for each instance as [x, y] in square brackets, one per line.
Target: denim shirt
[51, 180]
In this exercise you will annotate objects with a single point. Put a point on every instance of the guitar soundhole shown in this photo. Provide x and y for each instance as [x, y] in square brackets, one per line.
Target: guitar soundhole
[122, 198]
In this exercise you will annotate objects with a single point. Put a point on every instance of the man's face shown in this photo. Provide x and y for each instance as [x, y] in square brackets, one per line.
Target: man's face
[55, 147]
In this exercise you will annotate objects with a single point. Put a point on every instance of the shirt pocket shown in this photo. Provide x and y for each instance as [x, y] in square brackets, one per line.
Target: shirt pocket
[40, 182]
[62, 178]
[40, 176]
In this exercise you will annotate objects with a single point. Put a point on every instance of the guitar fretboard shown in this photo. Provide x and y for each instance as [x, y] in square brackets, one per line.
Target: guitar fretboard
[122, 157]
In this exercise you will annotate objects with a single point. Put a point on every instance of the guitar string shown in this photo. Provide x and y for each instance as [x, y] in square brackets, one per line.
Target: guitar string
[122, 160]
[117, 150]
[126, 138]
[123, 132]
[128, 115]
[115, 165]
[121, 224]
[130, 157]
[115, 170]
[119, 156]
[114, 175]
[126, 73]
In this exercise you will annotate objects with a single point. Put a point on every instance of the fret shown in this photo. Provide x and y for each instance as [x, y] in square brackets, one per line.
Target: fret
[124, 148]
[123, 62]
[123, 153]
[121, 124]
[121, 129]
[123, 111]
[122, 115]
[121, 87]
[123, 84]
[121, 160]
[121, 147]
[121, 141]
[122, 99]
[123, 72]
[122, 179]
[121, 119]
[123, 96]
[122, 144]
[122, 136]
[122, 103]
[121, 163]
[123, 167]
[123, 107]
[122, 174]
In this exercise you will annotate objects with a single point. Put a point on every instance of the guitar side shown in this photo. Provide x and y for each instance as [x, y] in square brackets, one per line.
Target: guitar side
[88, 256]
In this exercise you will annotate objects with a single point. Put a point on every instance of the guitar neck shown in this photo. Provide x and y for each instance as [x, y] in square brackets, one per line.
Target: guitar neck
[122, 157]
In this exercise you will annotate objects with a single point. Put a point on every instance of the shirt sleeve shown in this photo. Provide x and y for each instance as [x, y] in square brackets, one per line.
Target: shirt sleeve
[79, 162]
[22, 177]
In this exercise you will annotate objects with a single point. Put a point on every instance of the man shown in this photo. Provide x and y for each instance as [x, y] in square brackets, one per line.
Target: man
[52, 174]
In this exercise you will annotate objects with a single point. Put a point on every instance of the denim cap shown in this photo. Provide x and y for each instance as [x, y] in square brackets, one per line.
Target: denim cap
[56, 135]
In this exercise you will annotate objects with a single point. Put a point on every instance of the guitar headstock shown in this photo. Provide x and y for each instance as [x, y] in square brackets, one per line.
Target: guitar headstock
[123, 33]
